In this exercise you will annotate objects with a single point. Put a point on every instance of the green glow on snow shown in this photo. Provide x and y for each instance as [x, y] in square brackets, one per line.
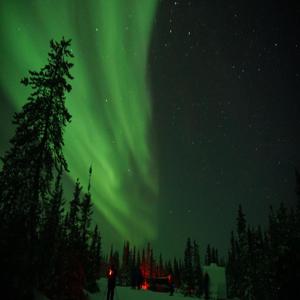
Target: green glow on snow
[109, 103]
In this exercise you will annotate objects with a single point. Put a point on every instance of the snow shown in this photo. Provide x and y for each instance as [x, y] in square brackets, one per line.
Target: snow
[127, 293]
[217, 281]
[217, 289]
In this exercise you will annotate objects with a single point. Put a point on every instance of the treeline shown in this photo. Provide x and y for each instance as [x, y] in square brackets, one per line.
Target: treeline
[186, 274]
[45, 245]
[265, 264]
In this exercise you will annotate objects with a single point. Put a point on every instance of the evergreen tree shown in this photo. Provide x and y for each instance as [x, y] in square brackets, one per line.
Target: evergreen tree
[216, 256]
[188, 268]
[213, 255]
[111, 255]
[232, 268]
[138, 260]
[152, 264]
[74, 218]
[116, 260]
[133, 262]
[93, 266]
[206, 286]
[259, 267]
[143, 263]
[208, 255]
[241, 223]
[85, 217]
[52, 235]
[95, 254]
[168, 268]
[161, 270]
[126, 262]
[262, 265]
[242, 254]
[177, 273]
[198, 274]
[73, 273]
[148, 261]
[30, 164]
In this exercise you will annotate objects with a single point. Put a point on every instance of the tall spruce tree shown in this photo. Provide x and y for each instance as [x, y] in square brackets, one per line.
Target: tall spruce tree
[197, 270]
[85, 216]
[177, 273]
[74, 237]
[52, 236]
[242, 253]
[87, 256]
[29, 165]
[93, 267]
[152, 264]
[208, 255]
[161, 270]
[138, 259]
[188, 268]
[126, 262]
[232, 268]
[133, 261]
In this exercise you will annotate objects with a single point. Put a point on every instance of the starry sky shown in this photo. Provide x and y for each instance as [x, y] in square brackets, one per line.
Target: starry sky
[185, 109]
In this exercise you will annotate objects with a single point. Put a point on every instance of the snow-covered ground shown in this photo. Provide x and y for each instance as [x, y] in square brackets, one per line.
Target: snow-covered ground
[217, 289]
[127, 293]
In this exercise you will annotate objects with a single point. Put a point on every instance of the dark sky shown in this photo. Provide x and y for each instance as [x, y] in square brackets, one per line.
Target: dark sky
[224, 112]
[225, 83]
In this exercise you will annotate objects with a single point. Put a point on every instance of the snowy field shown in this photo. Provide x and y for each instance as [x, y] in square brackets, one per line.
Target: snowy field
[127, 293]
[217, 289]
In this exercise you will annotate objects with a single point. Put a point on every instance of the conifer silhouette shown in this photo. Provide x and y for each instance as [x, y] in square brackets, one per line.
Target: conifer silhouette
[29, 166]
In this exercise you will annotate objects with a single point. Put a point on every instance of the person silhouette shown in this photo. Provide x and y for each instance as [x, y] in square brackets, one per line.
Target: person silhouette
[206, 286]
[171, 284]
[111, 282]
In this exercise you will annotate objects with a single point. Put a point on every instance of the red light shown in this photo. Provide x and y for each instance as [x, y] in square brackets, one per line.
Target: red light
[145, 285]
[110, 272]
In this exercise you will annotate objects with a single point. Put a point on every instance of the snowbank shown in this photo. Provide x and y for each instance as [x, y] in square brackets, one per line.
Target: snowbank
[217, 281]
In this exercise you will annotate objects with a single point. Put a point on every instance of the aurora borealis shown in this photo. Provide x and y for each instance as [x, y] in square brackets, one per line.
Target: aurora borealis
[185, 109]
[109, 103]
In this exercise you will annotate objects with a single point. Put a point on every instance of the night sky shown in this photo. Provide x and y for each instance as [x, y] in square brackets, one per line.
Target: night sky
[185, 109]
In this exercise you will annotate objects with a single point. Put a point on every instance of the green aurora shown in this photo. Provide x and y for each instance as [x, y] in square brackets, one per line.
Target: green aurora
[110, 102]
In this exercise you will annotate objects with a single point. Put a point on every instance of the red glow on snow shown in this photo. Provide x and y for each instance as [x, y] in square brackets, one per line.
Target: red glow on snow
[145, 285]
